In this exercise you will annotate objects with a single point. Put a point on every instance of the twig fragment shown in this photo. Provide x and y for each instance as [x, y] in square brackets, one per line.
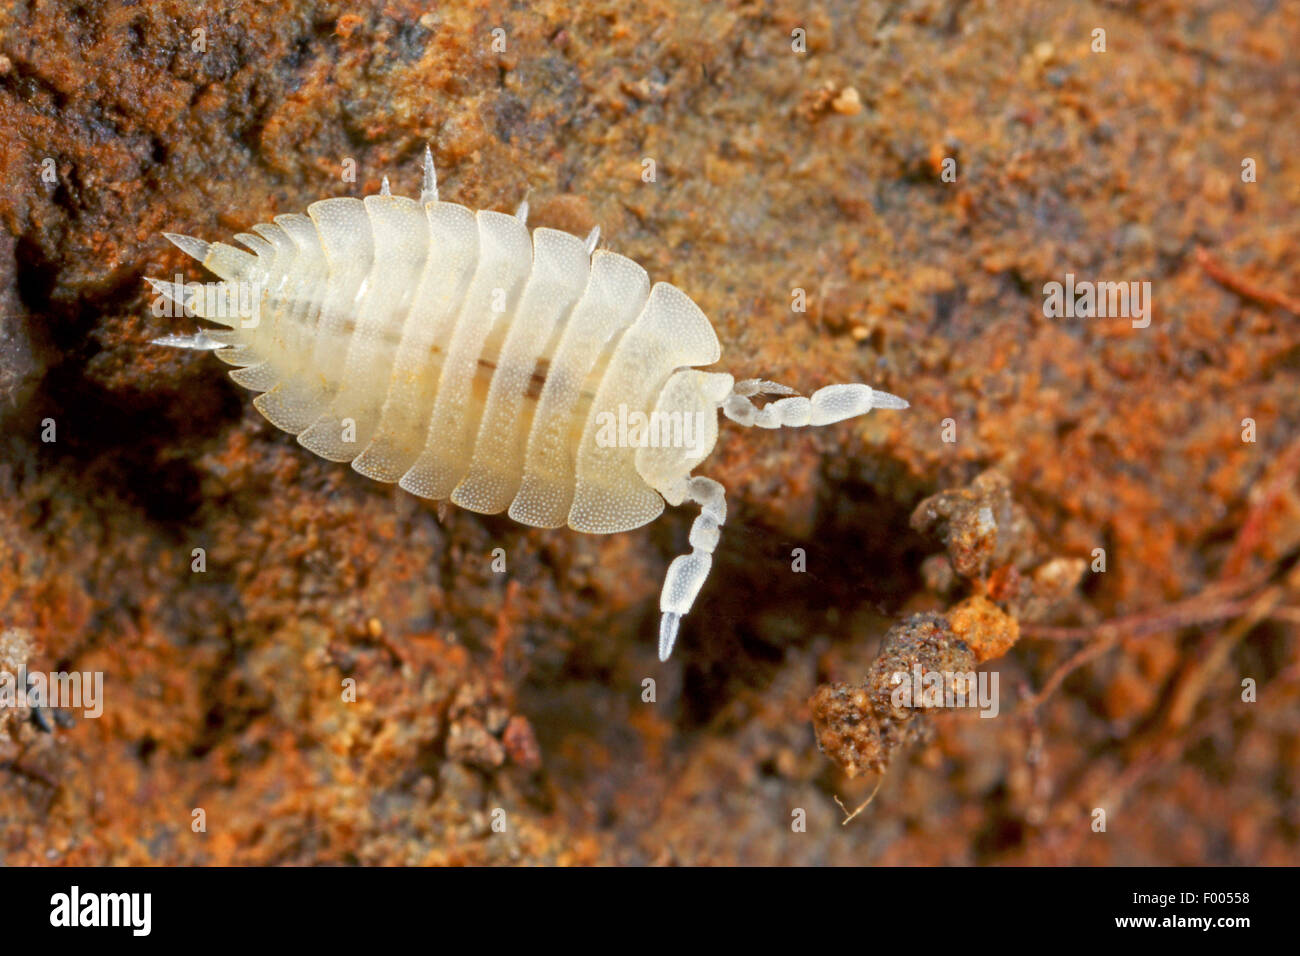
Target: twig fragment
[849, 816]
[1243, 287]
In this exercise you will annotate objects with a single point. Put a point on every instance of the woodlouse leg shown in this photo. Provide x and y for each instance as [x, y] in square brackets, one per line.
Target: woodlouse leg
[834, 403]
[181, 297]
[173, 292]
[687, 573]
[194, 248]
[429, 191]
[199, 340]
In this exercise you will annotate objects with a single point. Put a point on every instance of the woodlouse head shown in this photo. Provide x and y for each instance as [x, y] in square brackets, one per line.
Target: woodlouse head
[683, 427]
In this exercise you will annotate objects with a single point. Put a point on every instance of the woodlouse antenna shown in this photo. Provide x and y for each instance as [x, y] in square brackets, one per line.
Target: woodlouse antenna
[828, 405]
[688, 572]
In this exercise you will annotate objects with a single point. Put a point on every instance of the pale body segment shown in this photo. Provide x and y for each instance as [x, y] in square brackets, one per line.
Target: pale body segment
[457, 355]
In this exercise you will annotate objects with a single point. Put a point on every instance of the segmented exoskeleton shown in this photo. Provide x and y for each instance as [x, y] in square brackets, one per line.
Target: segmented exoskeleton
[450, 352]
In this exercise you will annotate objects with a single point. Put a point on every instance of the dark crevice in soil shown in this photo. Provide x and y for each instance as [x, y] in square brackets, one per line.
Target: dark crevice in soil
[755, 606]
[107, 441]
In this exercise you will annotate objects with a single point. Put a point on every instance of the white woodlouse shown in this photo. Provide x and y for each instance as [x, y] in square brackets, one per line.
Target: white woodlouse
[447, 351]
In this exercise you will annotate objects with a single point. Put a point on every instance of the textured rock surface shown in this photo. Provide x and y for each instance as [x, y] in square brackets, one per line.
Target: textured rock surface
[477, 691]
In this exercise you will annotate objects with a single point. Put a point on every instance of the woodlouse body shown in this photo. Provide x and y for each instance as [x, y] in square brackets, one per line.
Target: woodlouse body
[450, 352]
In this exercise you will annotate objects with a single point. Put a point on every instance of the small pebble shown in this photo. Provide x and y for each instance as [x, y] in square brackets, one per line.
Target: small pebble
[848, 103]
